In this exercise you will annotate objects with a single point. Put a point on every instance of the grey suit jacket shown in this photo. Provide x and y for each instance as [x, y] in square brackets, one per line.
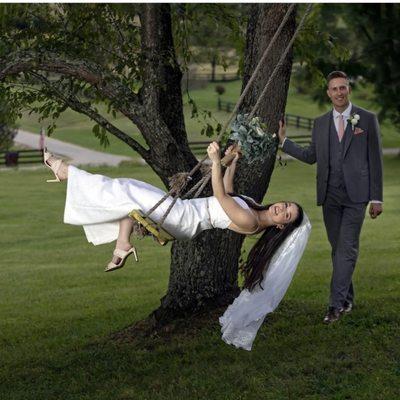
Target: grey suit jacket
[362, 157]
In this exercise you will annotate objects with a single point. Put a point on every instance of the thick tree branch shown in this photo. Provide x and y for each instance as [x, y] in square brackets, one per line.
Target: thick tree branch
[161, 89]
[166, 138]
[123, 99]
[74, 103]
[160, 69]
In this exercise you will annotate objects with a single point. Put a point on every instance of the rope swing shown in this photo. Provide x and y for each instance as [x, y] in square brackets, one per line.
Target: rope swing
[179, 181]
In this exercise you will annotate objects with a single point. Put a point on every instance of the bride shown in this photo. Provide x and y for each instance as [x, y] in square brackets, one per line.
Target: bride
[101, 205]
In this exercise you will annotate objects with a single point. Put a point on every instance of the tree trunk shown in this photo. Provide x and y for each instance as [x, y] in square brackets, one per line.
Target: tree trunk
[213, 67]
[204, 270]
[263, 22]
[164, 126]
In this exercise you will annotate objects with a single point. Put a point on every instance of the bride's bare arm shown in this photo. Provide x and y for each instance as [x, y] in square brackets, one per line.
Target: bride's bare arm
[230, 172]
[242, 218]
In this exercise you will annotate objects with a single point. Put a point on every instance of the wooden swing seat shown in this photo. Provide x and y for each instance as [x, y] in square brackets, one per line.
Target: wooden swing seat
[160, 234]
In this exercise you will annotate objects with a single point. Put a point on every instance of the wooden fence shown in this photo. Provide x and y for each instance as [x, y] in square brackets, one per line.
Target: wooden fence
[200, 147]
[297, 121]
[17, 157]
[217, 77]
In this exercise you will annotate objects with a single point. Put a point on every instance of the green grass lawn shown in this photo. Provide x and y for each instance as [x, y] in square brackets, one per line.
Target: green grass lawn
[76, 128]
[58, 308]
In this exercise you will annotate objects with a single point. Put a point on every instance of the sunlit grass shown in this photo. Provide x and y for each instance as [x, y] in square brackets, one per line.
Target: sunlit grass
[58, 307]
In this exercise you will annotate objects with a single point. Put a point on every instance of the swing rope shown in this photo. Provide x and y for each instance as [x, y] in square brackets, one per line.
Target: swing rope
[200, 185]
[281, 60]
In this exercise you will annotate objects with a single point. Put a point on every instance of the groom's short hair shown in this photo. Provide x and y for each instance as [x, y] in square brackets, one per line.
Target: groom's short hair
[336, 74]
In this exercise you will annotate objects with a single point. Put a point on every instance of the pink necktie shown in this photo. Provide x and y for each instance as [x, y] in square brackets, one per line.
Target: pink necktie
[341, 127]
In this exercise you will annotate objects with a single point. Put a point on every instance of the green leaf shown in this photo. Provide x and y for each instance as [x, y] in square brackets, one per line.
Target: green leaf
[96, 130]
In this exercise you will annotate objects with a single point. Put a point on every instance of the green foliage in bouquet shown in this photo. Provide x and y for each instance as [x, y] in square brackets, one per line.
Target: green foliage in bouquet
[252, 136]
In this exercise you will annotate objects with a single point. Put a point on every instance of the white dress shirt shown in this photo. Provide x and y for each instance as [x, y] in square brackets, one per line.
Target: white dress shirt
[345, 115]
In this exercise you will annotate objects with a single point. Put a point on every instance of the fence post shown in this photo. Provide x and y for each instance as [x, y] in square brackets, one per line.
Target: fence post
[11, 158]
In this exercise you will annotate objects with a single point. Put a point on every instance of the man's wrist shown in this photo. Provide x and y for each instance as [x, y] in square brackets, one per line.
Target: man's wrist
[283, 142]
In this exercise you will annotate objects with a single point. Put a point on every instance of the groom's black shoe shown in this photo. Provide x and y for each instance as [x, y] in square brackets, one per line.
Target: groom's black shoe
[332, 315]
[347, 307]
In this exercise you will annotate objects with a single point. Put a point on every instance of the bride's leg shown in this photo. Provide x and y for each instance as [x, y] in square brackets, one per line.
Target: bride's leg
[124, 235]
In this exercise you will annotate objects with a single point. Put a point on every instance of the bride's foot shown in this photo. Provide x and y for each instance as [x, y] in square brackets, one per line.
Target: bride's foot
[121, 253]
[58, 167]
[124, 246]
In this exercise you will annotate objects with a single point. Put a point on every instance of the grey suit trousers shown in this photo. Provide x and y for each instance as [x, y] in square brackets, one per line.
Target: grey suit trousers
[343, 221]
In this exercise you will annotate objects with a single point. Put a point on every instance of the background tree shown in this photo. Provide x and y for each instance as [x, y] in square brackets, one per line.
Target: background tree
[378, 28]
[361, 39]
[54, 56]
[7, 127]
[212, 33]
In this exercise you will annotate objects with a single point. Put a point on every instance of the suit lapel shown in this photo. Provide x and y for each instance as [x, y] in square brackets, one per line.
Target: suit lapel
[348, 137]
[325, 129]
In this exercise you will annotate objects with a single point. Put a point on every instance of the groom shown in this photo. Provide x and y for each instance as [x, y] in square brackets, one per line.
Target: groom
[346, 146]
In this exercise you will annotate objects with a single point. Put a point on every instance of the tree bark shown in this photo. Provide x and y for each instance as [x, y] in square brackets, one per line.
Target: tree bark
[164, 127]
[204, 271]
[263, 22]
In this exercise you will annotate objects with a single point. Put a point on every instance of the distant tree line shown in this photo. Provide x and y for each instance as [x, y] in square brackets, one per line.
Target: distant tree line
[361, 39]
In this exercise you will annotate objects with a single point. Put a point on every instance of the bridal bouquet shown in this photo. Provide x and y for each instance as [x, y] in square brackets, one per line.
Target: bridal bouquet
[255, 142]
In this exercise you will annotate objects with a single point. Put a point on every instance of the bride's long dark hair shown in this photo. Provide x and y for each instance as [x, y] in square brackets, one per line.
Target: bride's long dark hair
[261, 253]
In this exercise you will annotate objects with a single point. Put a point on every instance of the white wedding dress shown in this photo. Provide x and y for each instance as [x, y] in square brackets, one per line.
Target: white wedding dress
[97, 203]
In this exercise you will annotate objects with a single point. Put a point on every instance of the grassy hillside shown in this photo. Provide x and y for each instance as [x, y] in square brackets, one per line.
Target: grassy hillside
[58, 309]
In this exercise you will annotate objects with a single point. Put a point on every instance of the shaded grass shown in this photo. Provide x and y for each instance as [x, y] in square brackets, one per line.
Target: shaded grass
[58, 310]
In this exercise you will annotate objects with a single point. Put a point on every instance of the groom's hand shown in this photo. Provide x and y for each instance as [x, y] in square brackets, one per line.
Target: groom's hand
[375, 209]
[282, 131]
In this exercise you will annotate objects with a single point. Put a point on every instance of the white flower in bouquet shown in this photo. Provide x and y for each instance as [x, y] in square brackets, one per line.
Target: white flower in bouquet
[259, 131]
